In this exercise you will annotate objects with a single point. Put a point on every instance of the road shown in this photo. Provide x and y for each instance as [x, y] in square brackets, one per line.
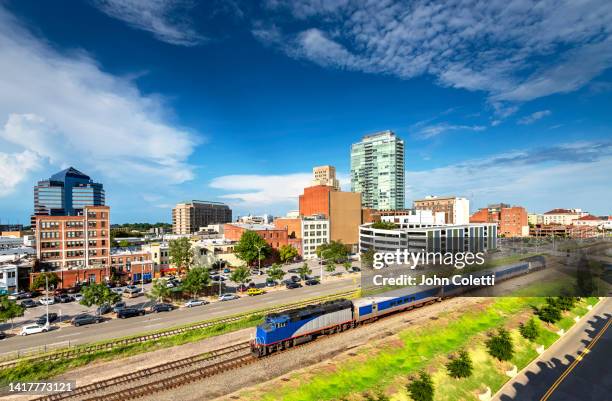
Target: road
[577, 367]
[123, 327]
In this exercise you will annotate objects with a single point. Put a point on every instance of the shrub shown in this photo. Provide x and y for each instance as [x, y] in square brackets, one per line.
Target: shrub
[421, 389]
[500, 346]
[549, 313]
[461, 366]
[530, 330]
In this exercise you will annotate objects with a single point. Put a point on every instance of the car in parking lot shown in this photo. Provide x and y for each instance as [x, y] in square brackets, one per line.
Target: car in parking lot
[118, 306]
[129, 312]
[85, 318]
[104, 309]
[43, 318]
[228, 297]
[255, 291]
[28, 303]
[2, 335]
[63, 298]
[293, 270]
[354, 269]
[74, 290]
[33, 329]
[195, 302]
[312, 281]
[19, 295]
[47, 301]
[162, 307]
[118, 290]
[271, 283]
[77, 297]
[226, 270]
[292, 284]
[60, 291]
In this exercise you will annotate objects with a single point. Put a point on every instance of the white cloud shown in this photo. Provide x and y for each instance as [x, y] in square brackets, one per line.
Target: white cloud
[533, 117]
[431, 131]
[165, 19]
[65, 110]
[14, 168]
[515, 50]
[262, 190]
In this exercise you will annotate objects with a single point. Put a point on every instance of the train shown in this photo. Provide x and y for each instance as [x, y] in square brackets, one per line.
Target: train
[283, 330]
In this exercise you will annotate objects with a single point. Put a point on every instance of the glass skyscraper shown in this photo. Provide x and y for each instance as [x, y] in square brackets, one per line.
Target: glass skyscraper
[66, 194]
[377, 171]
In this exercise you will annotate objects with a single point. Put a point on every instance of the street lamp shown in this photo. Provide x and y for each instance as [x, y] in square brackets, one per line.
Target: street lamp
[259, 248]
[46, 294]
[323, 253]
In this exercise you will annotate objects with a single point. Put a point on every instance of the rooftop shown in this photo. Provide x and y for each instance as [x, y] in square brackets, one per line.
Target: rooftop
[201, 202]
[255, 227]
[69, 172]
[561, 211]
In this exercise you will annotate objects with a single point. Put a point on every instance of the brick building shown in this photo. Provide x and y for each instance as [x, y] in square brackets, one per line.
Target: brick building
[274, 236]
[131, 265]
[511, 220]
[456, 210]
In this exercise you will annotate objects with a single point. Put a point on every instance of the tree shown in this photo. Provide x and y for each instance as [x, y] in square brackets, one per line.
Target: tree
[196, 280]
[123, 243]
[250, 247]
[460, 366]
[500, 345]
[334, 250]
[98, 294]
[330, 267]
[421, 389]
[240, 275]
[276, 272]
[180, 254]
[39, 281]
[549, 313]
[304, 270]
[367, 259]
[347, 265]
[159, 290]
[384, 225]
[9, 309]
[564, 303]
[529, 330]
[287, 253]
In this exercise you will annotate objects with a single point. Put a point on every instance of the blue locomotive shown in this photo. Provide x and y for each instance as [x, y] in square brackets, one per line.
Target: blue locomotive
[296, 326]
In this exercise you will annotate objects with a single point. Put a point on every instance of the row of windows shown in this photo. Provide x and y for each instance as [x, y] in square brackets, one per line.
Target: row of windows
[8, 275]
[315, 226]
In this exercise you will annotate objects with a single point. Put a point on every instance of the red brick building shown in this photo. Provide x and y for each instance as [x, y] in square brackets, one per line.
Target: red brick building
[315, 201]
[511, 220]
[274, 236]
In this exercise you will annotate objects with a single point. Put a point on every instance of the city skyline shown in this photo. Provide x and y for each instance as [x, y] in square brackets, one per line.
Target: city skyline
[234, 125]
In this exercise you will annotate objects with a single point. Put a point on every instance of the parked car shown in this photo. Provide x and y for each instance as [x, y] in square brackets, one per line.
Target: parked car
[2, 335]
[271, 283]
[33, 329]
[77, 297]
[118, 290]
[19, 295]
[129, 312]
[85, 318]
[132, 288]
[43, 318]
[47, 301]
[162, 307]
[255, 291]
[295, 279]
[118, 306]
[195, 302]
[291, 285]
[63, 298]
[312, 281]
[354, 269]
[226, 270]
[335, 274]
[74, 290]
[257, 272]
[293, 270]
[169, 284]
[60, 291]
[104, 309]
[28, 303]
[228, 297]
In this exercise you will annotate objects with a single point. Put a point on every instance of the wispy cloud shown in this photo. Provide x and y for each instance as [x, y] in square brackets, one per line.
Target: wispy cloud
[533, 117]
[569, 175]
[513, 50]
[430, 131]
[167, 20]
[63, 109]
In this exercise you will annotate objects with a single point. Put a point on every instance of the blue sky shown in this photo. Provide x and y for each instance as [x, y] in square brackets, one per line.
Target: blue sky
[236, 101]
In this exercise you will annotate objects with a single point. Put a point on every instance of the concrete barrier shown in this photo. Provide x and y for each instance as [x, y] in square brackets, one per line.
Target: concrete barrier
[561, 332]
[486, 396]
[540, 349]
[512, 372]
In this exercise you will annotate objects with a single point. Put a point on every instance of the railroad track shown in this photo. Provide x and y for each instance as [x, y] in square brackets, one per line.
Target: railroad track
[89, 391]
[105, 346]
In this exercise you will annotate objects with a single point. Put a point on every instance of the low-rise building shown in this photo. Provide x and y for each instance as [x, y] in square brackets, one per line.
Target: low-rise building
[512, 221]
[274, 236]
[132, 264]
[456, 210]
[593, 221]
[563, 230]
[415, 219]
[562, 216]
[315, 232]
[9, 278]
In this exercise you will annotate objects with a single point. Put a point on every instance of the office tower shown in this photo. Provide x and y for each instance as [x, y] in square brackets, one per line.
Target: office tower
[456, 210]
[325, 175]
[66, 194]
[189, 216]
[377, 171]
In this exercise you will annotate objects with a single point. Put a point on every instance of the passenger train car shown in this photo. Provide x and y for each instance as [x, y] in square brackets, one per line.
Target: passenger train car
[293, 327]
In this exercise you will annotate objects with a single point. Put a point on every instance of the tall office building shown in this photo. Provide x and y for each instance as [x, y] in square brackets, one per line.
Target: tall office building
[189, 216]
[377, 171]
[325, 175]
[67, 193]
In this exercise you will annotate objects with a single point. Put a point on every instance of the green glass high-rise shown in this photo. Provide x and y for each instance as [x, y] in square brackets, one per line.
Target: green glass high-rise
[377, 171]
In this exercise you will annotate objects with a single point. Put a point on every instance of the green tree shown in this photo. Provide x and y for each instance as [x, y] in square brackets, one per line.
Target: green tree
[287, 253]
[276, 272]
[123, 243]
[330, 267]
[9, 310]
[384, 225]
[549, 313]
[181, 254]
[250, 247]
[367, 259]
[304, 270]
[334, 250]
[39, 281]
[196, 280]
[500, 345]
[460, 366]
[241, 275]
[347, 265]
[98, 294]
[159, 290]
[529, 330]
[422, 388]
[564, 303]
